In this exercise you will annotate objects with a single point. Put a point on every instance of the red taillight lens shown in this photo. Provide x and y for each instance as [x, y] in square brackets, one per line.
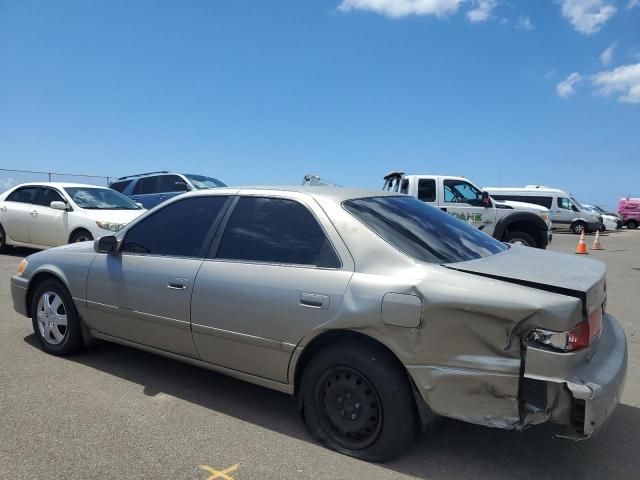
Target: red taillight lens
[580, 336]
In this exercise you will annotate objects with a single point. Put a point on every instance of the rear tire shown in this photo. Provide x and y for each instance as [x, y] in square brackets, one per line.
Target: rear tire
[55, 319]
[81, 236]
[521, 238]
[579, 227]
[632, 224]
[357, 400]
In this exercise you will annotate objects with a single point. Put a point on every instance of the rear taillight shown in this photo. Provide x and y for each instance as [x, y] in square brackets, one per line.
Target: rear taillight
[580, 336]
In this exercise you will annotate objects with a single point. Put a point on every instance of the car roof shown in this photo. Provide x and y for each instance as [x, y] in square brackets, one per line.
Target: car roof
[146, 174]
[338, 194]
[59, 185]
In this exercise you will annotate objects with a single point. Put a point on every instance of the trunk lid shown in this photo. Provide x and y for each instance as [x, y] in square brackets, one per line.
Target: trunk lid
[544, 270]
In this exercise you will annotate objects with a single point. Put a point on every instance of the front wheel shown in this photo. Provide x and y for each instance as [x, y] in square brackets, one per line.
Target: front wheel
[632, 224]
[55, 319]
[579, 227]
[81, 236]
[521, 238]
[358, 401]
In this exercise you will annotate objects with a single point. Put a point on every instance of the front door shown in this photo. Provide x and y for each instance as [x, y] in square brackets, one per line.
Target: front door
[564, 213]
[143, 293]
[275, 276]
[464, 201]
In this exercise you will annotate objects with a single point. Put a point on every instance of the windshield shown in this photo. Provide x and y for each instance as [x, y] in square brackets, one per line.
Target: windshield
[423, 232]
[100, 199]
[200, 181]
[576, 203]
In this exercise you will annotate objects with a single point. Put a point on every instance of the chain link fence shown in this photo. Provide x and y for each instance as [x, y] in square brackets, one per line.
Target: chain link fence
[10, 178]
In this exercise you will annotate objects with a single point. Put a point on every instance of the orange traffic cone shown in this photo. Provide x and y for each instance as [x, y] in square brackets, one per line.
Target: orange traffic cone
[582, 246]
[596, 242]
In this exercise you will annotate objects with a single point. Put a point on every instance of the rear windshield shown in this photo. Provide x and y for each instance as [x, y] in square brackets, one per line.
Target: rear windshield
[423, 232]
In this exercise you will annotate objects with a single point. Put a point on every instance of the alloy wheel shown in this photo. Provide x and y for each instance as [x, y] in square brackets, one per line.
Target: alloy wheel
[52, 318]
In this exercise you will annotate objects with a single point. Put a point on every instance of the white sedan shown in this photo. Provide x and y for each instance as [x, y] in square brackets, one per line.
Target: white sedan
[46, 214]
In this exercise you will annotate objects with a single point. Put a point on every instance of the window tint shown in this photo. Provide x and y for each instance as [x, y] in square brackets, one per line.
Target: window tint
[46, 196]
[171, 183]
[23, 195]
[405, 186]
[565, 203]
[179, 229]
[421, 231]
[427, 190]
[277, 231]
[459, 191]
[536, 200]
[145, 186]
[120, 186]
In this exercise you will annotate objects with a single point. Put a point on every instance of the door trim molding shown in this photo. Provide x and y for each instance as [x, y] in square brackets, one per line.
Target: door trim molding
[243, 338]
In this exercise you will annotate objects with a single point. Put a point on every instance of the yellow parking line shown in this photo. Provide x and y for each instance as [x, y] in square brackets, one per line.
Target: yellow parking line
[220, 473]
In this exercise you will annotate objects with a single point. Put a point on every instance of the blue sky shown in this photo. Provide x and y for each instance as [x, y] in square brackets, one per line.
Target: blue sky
[262, 92]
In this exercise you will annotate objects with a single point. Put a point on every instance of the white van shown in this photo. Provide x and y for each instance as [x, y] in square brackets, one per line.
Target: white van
[566, 211]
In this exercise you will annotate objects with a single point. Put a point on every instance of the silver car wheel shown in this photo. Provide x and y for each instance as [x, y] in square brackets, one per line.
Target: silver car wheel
[519, 242]
[52, 318]
[83, 237]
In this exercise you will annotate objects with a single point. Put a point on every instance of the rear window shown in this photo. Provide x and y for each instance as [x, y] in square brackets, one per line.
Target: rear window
[423, 232]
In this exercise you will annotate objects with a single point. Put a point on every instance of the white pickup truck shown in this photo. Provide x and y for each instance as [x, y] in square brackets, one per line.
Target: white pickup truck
[507, 221]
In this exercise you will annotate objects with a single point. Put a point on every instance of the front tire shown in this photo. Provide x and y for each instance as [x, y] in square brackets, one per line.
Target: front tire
[521, 238]
[357, 400]
[579, 227]
[81, 236]
[55, 319]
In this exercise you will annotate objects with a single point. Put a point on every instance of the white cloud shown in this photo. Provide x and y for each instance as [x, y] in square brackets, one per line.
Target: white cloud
[633, 3]
[550, 74]
[587, 16]
[624, 80]
[403, 8]
[524, 23]
[566, 88]
[606, 57]
[481, 10]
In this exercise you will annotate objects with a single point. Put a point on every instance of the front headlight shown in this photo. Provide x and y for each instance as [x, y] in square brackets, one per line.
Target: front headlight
[544, 216]
[112, 227]
[22, 266]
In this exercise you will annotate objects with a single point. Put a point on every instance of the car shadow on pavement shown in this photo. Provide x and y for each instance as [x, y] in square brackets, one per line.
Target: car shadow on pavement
[447, 450]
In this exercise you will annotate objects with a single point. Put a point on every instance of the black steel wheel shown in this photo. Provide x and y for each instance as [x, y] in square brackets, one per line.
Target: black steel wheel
[357, 400]
[350, 408]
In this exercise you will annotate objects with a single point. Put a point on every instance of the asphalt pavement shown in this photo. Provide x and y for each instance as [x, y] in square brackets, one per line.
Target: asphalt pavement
[117, 413]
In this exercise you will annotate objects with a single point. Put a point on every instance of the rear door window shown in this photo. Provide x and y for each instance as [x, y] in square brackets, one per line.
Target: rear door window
[146, 186]
[276, 230]
[23, 195]
[120, 186]
[180, 229]
[170, 183]
[427, 190]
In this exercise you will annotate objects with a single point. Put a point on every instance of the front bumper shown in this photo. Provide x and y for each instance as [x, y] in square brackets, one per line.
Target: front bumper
[19, 294]
[592, 227]
[588, 383]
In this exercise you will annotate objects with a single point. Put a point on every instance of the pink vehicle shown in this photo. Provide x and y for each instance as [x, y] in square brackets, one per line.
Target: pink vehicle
[629, 209]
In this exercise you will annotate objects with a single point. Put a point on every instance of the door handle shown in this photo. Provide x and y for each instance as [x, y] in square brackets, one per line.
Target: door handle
[34, 213]
[3, 208]
[178, 283]
[313, 300]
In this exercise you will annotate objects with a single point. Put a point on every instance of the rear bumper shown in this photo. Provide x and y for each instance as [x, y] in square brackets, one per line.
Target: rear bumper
[591, 383]
[19, 294]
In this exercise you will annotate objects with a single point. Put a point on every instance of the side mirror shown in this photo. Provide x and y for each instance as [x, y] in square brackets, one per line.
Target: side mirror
[108, 244]
[486, 203]
[58, 205]
[182, 186]
[139, 204]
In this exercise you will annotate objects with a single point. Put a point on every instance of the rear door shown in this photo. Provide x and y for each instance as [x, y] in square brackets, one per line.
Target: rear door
[17, 213]
[143, 293]
[278, 270]
[49, 227]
